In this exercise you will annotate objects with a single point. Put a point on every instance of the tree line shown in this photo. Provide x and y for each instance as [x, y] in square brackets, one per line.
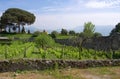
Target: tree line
[15, 19]
[88, 31]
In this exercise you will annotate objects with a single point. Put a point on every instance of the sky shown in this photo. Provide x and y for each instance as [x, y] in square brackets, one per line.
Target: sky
[69, 14]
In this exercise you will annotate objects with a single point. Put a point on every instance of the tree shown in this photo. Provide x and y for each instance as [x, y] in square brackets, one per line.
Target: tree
[54, 34]
[81, 34]
[29, 32]
[64, 32]
[72, 32]
[116, 29]
[17, 17]
[89, 29]
[23, 30]
[14, 29]
[36, 33]
[0, 25]
[97, 34]
[44, 40]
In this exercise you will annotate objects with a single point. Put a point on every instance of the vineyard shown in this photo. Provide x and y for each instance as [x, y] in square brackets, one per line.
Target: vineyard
[30, 50]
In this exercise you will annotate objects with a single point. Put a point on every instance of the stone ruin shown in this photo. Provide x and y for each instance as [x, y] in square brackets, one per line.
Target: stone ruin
[105, 43]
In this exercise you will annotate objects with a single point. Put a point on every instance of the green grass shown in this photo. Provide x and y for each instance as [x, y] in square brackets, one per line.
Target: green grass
[18, 49]
[65, 36]
[16, 35]
[29, 50]
[103, 70]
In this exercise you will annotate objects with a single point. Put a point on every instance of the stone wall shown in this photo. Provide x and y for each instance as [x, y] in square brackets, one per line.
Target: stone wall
[27, 64]
[97, 43]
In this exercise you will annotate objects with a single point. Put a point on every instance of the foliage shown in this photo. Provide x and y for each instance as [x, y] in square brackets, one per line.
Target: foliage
[116, 29]
[16, 17]
[64, 36]
[36, 33]
[89, 29]
[23, 29]
[97, 34]
[19, 49]
[54, 34]
[72, 32]
[64, 32]
[77, 34]
[45, 32]
[14, 29]
[81, 34]
[46, 49]
[44, 40]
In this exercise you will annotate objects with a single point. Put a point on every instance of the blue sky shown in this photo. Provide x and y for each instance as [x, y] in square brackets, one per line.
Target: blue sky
[69, 14]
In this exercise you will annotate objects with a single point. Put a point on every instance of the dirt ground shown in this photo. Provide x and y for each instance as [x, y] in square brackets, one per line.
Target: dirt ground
[68, 73]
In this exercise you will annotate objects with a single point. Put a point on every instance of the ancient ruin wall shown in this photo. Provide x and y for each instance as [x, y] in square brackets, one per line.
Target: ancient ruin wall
[33, 64]
[97, 43]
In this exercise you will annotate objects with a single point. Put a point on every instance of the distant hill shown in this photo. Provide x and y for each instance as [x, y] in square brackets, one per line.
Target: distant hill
[104, 30]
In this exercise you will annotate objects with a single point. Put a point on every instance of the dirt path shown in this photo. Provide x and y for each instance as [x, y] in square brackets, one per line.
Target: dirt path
[91, 73]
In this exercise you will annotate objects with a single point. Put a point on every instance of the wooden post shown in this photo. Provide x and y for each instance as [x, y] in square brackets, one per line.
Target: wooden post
[62, 53]
[25, 52]
[6, 52]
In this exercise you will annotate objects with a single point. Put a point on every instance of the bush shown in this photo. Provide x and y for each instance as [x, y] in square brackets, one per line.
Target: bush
[97, 34]
[64, 32]
[36, 33]
[81, 34]
[72, 32]
[116, 29]
[44, 40]
[54, 34]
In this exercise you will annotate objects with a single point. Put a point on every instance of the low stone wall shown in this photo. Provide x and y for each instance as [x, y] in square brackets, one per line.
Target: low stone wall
[104, 43]
[32, 64]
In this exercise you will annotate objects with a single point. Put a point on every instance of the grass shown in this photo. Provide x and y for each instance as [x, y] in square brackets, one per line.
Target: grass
[11, 35]
[68, 73]
[29, 50]
[65, 36]
[16, 35]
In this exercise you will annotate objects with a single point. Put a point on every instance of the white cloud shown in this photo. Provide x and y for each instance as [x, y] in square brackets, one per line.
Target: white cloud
[79, 6]
[59, 9]
[95, 4]
[103, 3]
[69, 21]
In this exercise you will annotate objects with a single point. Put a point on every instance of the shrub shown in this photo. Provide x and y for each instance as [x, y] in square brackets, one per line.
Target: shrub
[36, 33]
[64, 32]
[97, 34]
[72, 32]
[54, 34]
[44, 40]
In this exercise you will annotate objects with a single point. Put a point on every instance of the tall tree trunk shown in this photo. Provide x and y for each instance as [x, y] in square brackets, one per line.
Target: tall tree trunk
[19, 28]
[9, 29]
[5, 29]
[23, 29]
[0, 29]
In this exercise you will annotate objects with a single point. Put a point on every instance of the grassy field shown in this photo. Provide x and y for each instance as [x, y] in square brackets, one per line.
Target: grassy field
[29, 50]
[65, 36]
[16, 35]
[68, 73]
